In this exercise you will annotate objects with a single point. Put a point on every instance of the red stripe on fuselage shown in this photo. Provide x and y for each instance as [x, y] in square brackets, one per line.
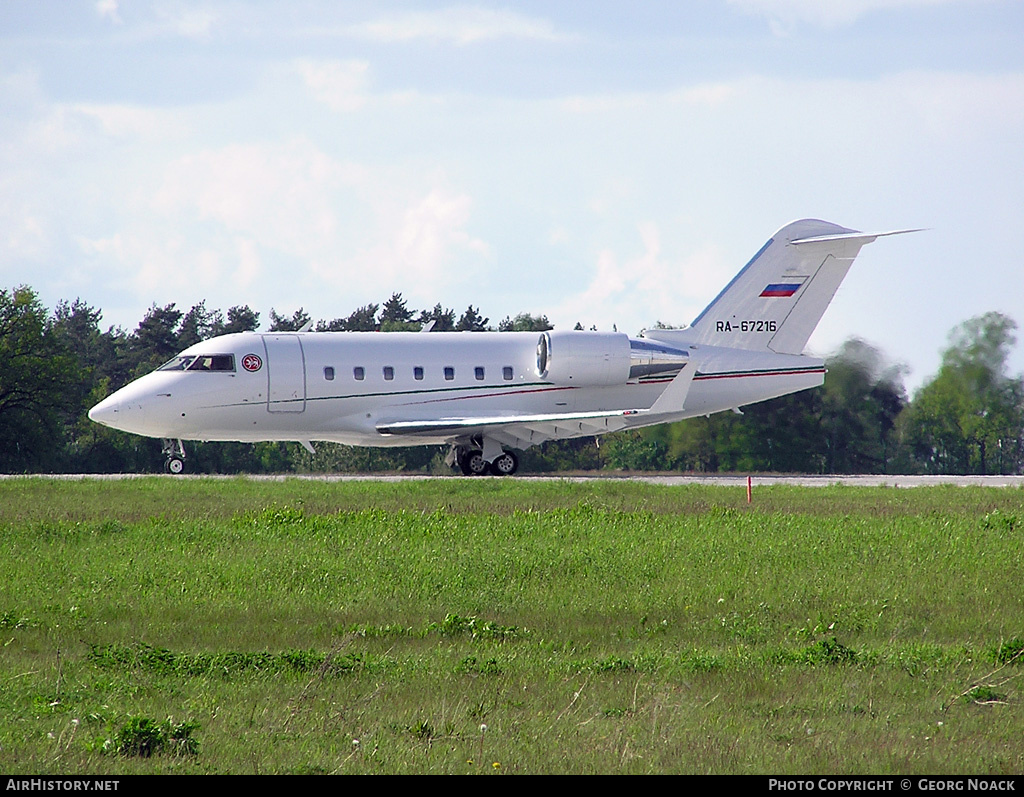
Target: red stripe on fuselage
[491, 395]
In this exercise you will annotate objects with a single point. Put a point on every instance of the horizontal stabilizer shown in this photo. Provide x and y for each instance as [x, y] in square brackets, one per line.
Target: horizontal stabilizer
[863, 237]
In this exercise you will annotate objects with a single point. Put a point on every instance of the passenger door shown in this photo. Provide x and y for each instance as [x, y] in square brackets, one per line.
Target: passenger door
[286, 373]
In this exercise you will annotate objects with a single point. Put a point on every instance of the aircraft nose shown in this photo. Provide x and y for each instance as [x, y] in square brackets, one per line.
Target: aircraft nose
[141, 407]
[123, 411]
[106, 412]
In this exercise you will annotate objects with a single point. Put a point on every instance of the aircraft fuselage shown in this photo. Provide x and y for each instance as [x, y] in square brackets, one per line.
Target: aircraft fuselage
[345, 386]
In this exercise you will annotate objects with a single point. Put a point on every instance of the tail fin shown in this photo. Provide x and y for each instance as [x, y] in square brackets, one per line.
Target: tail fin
[776, 301]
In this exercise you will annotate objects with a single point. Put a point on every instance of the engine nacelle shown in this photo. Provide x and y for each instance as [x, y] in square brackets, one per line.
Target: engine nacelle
[584, 359]
[604, 359]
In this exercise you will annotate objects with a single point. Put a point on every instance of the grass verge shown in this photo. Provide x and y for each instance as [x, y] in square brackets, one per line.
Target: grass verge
[499, 627]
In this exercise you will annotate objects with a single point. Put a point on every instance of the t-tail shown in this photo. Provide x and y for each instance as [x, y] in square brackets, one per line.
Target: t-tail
[779, 297]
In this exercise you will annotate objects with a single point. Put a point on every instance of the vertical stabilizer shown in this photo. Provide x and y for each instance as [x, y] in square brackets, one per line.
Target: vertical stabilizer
[776, 301]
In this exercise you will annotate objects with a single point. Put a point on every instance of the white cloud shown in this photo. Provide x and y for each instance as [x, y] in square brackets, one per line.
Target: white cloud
[279, 195]
[639, 290]
[108, 9]
[214, 219]
[338, 84]
[705, 94]
[431, 228]
[783, 14]
[419, 246]
[462, 25]
[188, 21]
[290, 225]
[171, 267]
[128, 121]
[24, 233]
[249, 264]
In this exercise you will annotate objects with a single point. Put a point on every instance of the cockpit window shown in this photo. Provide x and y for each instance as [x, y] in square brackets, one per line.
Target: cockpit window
[200, 362]
[213, 362]
[179, 363]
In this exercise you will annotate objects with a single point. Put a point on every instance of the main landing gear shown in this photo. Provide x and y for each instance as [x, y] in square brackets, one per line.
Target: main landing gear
[174, 451]
[483, 457]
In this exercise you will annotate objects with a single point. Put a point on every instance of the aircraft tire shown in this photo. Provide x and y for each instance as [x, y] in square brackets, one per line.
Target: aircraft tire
[505, 465]
[174, 465]
[473, 463]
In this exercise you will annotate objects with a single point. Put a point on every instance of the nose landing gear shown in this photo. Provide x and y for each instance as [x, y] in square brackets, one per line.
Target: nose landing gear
[174, 451]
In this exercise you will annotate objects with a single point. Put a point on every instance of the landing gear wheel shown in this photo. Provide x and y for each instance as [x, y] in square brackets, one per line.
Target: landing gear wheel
[473, 463]
[174, 465]
[505, 465]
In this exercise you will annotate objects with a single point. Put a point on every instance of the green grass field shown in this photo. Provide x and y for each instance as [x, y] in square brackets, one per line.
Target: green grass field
[501, 626]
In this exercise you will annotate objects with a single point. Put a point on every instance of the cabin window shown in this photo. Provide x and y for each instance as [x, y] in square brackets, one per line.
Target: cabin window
[359, 373]
[478, 372]
[417, 372]
[449, 372]
[389, 372]
[506, 373]
[328, 373]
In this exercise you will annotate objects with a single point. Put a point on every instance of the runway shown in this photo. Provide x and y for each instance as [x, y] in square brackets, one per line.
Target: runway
[731, 480]
[828, 481]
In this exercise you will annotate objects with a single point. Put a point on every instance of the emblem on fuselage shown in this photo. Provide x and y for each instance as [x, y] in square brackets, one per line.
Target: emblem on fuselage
[252, 362]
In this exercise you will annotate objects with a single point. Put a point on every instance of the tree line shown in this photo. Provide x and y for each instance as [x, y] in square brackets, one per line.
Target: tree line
[968, 418]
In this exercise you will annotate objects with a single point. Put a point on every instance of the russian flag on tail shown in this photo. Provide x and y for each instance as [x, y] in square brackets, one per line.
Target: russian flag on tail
[781, 289]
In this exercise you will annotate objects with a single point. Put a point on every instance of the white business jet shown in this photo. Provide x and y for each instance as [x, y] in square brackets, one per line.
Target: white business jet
[483, 393]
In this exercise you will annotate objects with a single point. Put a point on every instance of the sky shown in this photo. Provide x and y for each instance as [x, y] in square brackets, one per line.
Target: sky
[604, 162]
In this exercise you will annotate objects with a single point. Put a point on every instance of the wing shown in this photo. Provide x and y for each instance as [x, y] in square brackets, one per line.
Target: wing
[523, 431]
[519, 431]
